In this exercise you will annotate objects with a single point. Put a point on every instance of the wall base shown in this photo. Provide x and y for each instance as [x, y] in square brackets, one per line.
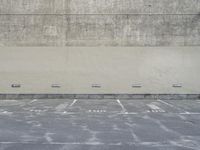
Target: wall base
[102, 96]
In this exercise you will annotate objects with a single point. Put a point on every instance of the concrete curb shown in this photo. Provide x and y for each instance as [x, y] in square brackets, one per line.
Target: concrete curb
[102, 96]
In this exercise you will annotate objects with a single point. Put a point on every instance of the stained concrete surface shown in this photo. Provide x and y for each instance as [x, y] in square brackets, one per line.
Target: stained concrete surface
[73, 124]
[99, 23]
[116, 70]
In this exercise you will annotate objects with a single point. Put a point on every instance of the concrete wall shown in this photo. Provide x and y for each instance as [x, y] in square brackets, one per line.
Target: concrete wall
[99, 22]
[117, 70]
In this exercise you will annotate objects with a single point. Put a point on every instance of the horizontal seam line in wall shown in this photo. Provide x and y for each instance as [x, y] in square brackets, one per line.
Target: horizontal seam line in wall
[98, 14]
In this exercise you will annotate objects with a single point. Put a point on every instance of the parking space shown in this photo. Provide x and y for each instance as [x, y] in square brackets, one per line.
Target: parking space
[184, 106]
[74, 106]
[99, 124]
[144, 106]
[94, 106]
[37, 106]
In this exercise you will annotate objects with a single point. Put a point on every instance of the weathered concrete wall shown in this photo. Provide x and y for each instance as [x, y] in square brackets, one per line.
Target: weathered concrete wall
[115, 69]
[99, 23]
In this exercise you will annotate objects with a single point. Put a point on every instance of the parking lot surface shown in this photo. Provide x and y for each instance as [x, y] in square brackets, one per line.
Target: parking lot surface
[73, 124]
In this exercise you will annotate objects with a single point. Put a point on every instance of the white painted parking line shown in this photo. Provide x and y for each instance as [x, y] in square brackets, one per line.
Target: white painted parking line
[34, 100]
[61, 107]
[74, 101]
[135, 113]
[173, 106]
[154, 108]
[96, 111]
[68, 113]
[121, 105]
[157, 110]
[66, 143]
[168, 104]
[190, 113]
[127, 113]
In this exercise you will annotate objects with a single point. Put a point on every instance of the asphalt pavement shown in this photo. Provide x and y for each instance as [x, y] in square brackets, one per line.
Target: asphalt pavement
[89, 124]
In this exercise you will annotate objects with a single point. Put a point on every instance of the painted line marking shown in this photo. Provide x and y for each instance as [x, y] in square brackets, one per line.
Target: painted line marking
[190, 113]
[68, 113]
[64, 143]
[74, 101]
[61, 107]
[97, 111]
[154, 108]
[34, 100]
[173, 106]
[121, 105]
[127, 113]
[156, 111]
[168, 104]
[132, 113]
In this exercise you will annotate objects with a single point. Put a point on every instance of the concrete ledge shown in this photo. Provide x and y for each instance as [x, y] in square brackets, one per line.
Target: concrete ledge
[102, 96]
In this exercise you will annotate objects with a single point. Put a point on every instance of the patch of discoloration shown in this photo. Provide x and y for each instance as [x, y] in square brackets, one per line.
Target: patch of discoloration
[10, 102]
[7, 113]
[48, 138]
[30, 138]
[34, 123]
[60, 109]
